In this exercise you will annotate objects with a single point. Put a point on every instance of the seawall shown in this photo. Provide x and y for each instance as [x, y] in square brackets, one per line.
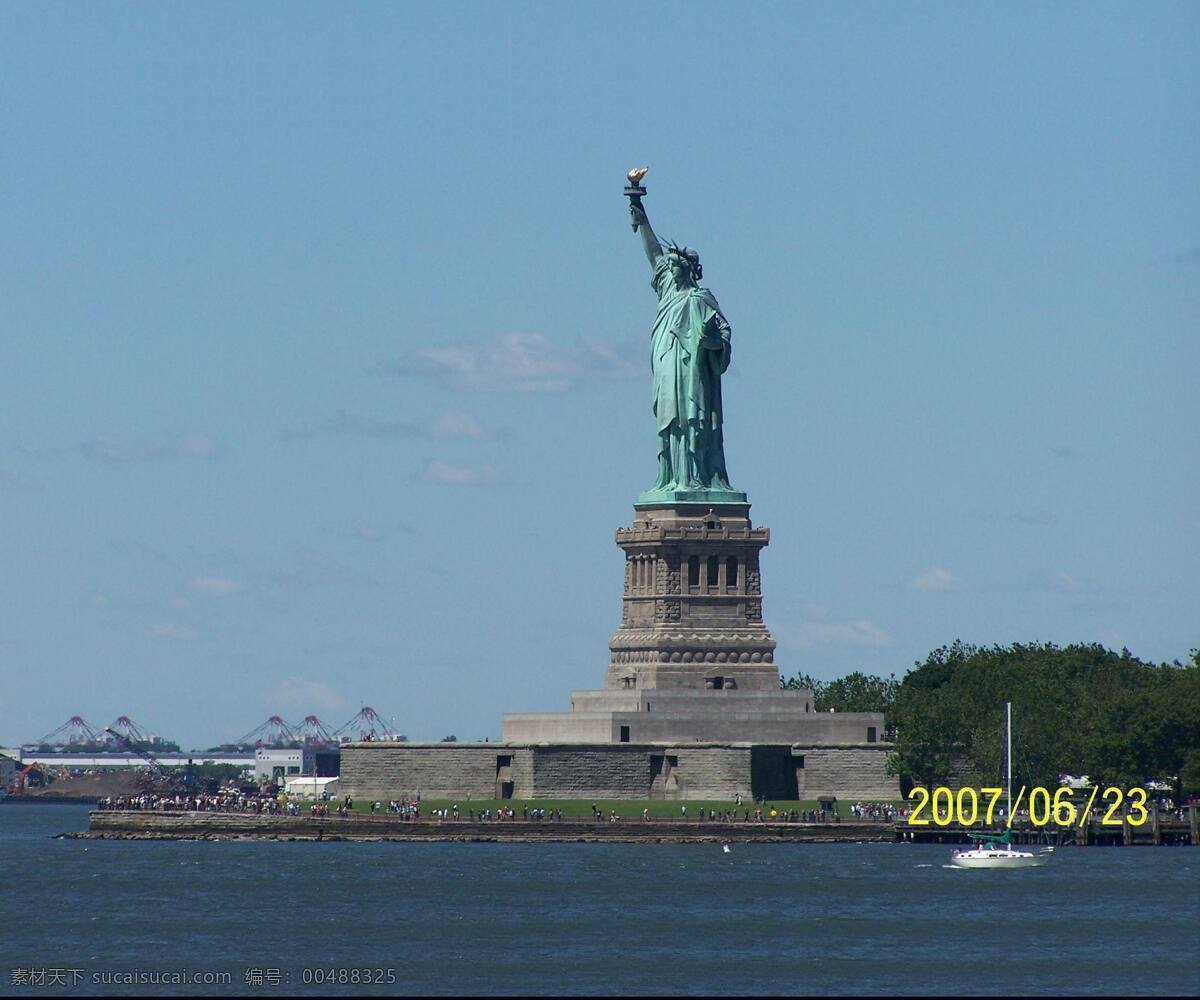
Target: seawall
[139, 825]
[145, 825]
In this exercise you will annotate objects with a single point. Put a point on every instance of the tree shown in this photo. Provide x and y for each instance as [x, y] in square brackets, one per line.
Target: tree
[1189, 774]
[211, 777]
[1082, 709]
[804, 682]
[856, 692]
[859, 692]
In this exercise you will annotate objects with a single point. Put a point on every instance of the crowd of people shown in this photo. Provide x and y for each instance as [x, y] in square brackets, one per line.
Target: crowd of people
[263, 804]
[879, 812]
[224, 802]
[763, 812]
[410, 809]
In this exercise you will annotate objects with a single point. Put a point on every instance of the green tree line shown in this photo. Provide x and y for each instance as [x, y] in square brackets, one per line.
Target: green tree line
[1079, 709]
[856, 692]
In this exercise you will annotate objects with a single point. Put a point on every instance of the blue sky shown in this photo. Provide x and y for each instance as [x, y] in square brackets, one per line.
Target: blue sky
[324, 341]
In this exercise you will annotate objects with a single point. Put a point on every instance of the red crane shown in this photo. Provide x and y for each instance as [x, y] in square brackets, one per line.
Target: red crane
[130, 730]
[160, 774]
[272, 733]
[74, 733]
[313, 732]
[367, 725]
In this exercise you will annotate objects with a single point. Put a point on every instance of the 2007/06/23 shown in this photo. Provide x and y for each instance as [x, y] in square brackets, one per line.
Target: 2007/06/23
[348, 977]
[1044, 807]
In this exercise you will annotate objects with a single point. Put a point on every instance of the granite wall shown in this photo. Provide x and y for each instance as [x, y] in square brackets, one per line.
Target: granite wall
[615, 771]
[602, 772]
[435, 771]
[849, 772]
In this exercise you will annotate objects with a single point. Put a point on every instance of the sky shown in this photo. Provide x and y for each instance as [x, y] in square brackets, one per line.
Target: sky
[324, 361]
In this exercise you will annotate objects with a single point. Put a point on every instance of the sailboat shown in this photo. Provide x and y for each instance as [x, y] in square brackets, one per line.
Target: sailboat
[998, 851]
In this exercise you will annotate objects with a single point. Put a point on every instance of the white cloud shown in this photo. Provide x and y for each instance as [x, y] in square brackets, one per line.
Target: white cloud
[301, 694]
[613, 360]
[817, 628]
[439, 471]
[216, 585]
[99, 601]
[516, 362]
[195, 446]
[174, 631]
[110, 452]
[455, 424]
[935, 578]
[179, 603]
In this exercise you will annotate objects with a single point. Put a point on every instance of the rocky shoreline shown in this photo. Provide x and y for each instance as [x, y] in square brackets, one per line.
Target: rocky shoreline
[143, 825]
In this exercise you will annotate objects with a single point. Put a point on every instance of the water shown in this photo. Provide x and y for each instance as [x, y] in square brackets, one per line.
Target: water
[593, 918]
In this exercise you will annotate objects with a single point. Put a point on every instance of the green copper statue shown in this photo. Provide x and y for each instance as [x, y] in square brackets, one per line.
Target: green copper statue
[689, 352]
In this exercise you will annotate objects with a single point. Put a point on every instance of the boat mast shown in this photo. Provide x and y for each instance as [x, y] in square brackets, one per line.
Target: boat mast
[1008, 754]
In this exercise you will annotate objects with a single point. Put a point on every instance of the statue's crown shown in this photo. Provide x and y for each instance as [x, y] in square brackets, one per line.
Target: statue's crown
[691, 256]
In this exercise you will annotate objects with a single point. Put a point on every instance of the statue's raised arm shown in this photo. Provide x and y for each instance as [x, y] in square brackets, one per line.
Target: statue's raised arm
[638, 216]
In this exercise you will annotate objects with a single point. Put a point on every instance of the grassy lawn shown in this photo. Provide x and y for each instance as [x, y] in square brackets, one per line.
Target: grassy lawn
[624, 808]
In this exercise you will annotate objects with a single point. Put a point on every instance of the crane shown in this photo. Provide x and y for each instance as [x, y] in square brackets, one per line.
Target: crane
[172, 781]
[18, 783]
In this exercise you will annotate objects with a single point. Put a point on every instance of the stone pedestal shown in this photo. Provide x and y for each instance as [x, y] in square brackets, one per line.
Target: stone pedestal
[693, 663]
[692, 660]
[692, 605]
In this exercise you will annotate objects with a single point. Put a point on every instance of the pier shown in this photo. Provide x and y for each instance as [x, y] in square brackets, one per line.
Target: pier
[1158, 830]
[114, 824]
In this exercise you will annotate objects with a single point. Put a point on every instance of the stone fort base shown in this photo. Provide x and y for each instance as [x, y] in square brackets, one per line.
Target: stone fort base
[527, 771]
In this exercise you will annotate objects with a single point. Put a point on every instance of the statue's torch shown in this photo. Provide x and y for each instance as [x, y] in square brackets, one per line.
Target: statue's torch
[634, 192]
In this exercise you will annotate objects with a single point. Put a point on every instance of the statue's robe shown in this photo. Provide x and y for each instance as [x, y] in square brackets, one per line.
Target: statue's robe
[689, 351]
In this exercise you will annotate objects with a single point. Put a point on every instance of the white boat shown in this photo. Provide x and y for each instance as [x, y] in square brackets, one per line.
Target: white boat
[998, 851]
[1000, 855]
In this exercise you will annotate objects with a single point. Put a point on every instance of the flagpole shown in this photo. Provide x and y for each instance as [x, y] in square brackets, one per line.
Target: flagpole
[1008, 752]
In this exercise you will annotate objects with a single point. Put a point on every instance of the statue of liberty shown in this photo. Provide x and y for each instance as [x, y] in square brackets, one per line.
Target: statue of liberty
[689, 352]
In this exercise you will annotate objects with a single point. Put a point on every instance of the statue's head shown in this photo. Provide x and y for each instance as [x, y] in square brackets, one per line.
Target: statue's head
[684, 264]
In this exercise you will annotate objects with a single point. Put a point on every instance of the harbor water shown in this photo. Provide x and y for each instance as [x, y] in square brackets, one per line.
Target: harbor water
[278, 918]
